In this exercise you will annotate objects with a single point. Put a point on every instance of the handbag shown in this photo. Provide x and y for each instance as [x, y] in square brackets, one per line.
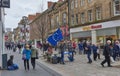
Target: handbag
[23, 57]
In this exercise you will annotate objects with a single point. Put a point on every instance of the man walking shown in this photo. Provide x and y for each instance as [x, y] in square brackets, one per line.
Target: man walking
[88, 51]
[106, 53]
[62, 49]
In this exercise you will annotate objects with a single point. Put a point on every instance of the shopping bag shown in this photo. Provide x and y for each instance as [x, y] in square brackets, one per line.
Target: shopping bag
[98, 51]
[23, 57]
[111, 59]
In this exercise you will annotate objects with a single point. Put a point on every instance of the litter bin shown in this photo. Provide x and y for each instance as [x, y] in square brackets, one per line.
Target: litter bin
[4, 61]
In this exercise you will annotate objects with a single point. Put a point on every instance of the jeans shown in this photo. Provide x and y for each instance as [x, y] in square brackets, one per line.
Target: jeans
[33, 62]
[89, 58]
[62, 57]
[26, 63]
[94, 56]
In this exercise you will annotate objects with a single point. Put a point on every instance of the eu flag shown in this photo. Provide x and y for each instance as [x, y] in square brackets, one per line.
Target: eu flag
[55, 37]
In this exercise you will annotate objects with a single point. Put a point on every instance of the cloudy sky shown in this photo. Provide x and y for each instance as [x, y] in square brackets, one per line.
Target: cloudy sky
[19, 8]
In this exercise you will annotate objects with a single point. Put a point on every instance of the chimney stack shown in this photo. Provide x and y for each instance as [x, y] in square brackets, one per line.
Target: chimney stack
[60, 0]
[50, 4]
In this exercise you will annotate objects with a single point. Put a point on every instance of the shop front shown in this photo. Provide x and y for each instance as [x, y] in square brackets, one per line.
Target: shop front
[80, 36]
[106, 34]
[97, 32]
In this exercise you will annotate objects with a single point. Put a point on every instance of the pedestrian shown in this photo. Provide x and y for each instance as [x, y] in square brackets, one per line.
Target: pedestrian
[80, 46]
[94, 48]
[88, 51]
[84, 45]
[98, 50]
[34, 56]
[19, 47]
[74, 47]
[70, 50]
[106, 53]
[26, 56]
[116, 50]
[62, 50]
[50, 50]
[45, 47]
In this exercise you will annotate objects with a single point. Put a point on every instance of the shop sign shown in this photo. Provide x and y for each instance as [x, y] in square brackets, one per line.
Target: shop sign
[96, 27]
[87, 28]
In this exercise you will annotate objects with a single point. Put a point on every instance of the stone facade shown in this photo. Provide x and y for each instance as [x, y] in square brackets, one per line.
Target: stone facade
[83, 6]
[81, 13]
[93, 20]
[59, 17]
[16, 32]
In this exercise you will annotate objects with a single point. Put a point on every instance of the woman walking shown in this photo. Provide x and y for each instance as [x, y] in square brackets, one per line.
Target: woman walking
[34, 56]
[26, 57]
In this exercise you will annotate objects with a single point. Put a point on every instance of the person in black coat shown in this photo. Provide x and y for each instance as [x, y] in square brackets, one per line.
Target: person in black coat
[106, 53]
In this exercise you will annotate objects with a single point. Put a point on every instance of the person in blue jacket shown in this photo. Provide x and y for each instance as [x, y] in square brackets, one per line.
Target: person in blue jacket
[88, 50]
[26, 56]
[80, 45]
[116, 49]
[94, 48]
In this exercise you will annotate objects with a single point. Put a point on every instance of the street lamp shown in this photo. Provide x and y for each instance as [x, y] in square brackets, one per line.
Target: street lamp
[69, 5]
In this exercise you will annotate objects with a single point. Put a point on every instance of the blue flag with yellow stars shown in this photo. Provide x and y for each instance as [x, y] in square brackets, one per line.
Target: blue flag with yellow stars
[55, 37]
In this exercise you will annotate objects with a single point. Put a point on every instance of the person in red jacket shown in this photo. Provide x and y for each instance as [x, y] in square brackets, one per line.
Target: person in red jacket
[74, 46]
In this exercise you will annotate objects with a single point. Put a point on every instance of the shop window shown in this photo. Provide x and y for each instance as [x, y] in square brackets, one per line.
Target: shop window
[83, 18]
[89, 15]
[98, 13]
[116, 7]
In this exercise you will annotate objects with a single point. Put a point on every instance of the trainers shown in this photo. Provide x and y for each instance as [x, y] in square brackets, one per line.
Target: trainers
[102, 65]
[110, 66]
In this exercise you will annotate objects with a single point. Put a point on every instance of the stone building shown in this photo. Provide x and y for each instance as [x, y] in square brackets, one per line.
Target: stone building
[95, 20]
[59, 17]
